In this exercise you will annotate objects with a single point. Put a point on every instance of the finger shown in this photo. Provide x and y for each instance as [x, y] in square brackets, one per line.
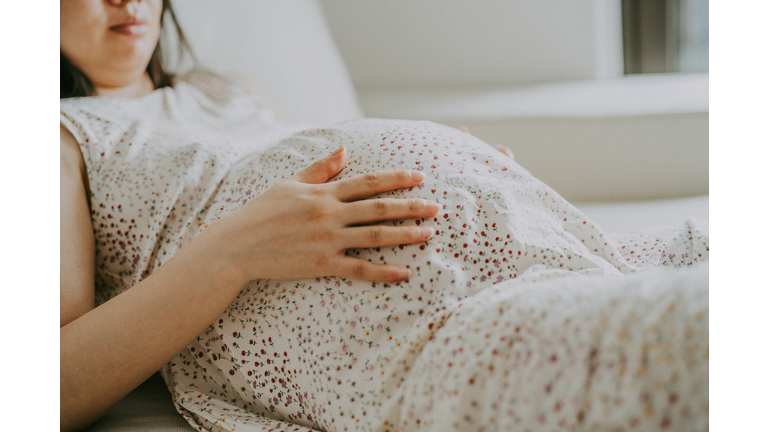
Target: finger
[380, 235]
[365, 185]
[322, 170]
[504, 150]
[360, 269]
[377, 210]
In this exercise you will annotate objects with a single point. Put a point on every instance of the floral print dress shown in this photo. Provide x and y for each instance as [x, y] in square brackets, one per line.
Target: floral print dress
[521, 313]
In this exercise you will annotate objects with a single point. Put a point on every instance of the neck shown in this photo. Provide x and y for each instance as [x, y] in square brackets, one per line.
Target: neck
[135, 89]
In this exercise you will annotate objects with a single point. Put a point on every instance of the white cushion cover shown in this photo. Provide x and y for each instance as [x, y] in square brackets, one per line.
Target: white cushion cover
[284, 47]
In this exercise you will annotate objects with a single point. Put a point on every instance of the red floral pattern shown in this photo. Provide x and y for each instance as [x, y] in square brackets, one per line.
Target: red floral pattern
[517, 314]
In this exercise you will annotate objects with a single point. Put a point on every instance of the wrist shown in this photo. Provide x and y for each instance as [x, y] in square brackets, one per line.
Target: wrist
[208, 251]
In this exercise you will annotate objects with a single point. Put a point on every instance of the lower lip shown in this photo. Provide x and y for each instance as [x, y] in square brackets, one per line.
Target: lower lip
[131, 29]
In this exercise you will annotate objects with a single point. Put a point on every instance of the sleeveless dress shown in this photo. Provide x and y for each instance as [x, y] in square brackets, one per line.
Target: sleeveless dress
[521, 313]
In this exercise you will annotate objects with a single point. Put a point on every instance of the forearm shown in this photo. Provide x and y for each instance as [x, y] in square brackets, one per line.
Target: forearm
[109, 351]
[298, 228]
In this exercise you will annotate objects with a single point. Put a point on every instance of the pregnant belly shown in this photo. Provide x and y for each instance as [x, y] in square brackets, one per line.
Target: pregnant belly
[312, 351]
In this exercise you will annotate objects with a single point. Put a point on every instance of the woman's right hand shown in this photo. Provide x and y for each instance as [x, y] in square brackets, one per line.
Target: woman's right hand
[302, 226]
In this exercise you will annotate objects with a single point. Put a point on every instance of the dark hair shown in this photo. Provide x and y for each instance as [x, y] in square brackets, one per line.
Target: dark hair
[74, 83]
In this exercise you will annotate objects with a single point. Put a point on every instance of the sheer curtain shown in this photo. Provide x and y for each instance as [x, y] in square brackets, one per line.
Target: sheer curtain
[665, 36]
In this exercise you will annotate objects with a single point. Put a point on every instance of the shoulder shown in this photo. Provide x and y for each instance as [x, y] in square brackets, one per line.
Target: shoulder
[216, 87]
[70, 157]
[235, 91]
[69, 145]
[238, 86]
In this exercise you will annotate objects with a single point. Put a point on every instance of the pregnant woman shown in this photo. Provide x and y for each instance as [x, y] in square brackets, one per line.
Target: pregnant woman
[369, 275]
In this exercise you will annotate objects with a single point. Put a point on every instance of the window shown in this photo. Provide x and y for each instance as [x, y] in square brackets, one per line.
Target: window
[662, 36]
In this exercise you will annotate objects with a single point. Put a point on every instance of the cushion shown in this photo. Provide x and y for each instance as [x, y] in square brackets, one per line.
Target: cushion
[629, 138]
[285, 48]
[148, 408]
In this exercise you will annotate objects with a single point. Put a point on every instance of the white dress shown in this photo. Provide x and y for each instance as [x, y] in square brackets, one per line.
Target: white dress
[521, 314]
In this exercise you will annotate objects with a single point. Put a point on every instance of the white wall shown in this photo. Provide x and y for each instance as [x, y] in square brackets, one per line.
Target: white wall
[460, 43]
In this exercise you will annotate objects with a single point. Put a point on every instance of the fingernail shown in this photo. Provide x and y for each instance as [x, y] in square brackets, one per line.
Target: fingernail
[337, 151]
[433, 207]
[418, 176]
[403, 273]
[426, 232]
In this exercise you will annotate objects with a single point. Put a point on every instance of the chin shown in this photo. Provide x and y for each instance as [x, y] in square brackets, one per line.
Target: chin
[131, 60]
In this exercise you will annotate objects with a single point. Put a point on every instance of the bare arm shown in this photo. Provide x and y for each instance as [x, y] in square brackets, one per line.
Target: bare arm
[108, 351]
[298, 228]
[77, 243]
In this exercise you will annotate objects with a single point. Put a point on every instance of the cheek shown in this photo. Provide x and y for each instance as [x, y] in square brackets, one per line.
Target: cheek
[125, 55]
[80, 40]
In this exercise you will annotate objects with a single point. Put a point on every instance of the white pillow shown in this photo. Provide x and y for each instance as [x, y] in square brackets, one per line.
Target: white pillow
[284, 47]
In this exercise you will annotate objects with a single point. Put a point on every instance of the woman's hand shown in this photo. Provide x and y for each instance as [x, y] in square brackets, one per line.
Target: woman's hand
[504, 150]
[302, 226]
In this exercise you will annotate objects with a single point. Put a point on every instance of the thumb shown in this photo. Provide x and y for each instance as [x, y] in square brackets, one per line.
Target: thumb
[322, 170]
